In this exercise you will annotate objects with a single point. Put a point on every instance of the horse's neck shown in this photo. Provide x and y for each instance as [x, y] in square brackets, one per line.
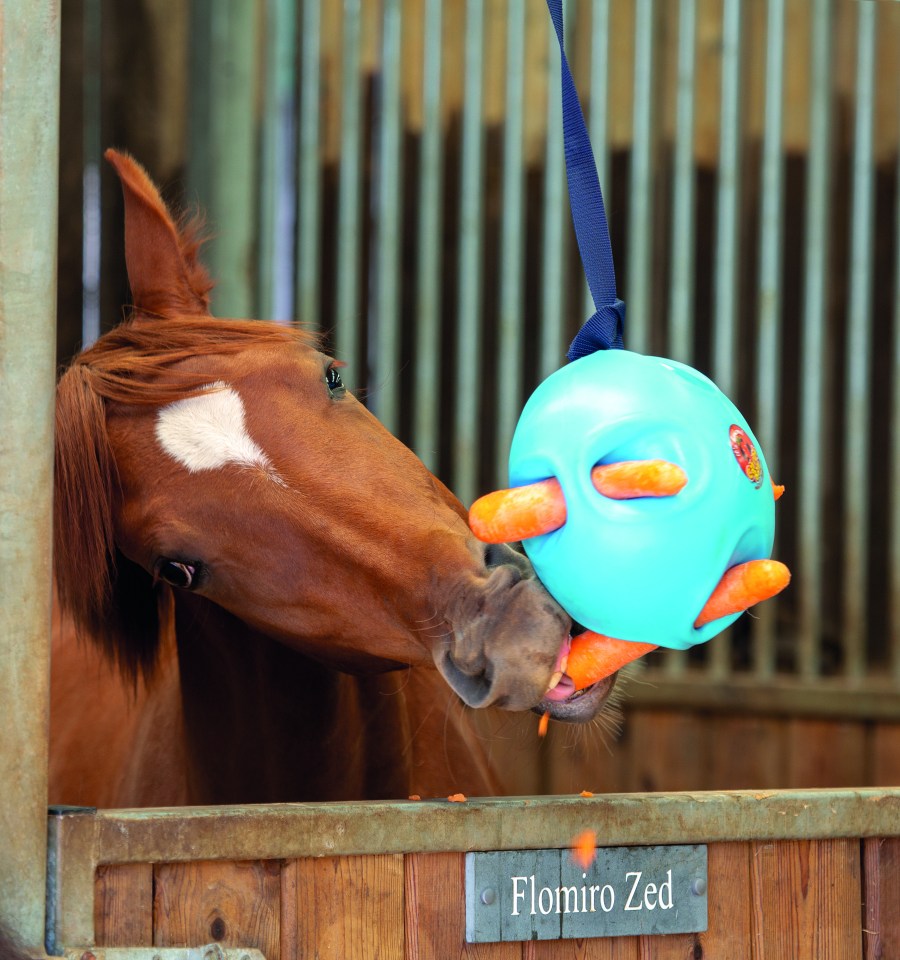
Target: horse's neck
[265, 724]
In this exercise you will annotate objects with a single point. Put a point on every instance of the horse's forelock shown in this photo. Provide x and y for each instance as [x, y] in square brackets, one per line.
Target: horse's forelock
[85, 561]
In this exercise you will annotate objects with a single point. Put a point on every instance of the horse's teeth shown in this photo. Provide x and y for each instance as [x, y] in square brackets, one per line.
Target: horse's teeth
[554, 680]
[563, 664]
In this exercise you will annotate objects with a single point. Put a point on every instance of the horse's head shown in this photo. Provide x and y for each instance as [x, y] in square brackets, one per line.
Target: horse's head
[224, 459]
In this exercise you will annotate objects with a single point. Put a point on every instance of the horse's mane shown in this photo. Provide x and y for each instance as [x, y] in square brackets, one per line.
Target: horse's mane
[111, 600]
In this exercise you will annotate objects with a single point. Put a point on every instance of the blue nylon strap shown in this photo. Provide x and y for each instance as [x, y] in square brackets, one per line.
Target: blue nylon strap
[602, 330]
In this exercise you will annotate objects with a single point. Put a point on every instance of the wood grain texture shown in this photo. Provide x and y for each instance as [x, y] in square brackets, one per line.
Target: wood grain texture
[594, 948]
[746, 753]
[669, 751]
[881, 921]
[435, 913]
[235, 904]
[345, 908]
[885, 755]
[123, 905]
[825, 753]
[806, 898]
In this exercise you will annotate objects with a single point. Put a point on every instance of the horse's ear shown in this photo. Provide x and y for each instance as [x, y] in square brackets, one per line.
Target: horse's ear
[166, 278]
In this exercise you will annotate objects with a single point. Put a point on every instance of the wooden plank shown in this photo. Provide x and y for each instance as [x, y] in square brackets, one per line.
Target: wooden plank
[825, 753]
[746, 753]
[594, 758]
[668, 751]
[881, 923]
[123, 905]
[806, 898]
[347, 908]
[233, 903]
[596, 948]
[885, 755]
[435, 912]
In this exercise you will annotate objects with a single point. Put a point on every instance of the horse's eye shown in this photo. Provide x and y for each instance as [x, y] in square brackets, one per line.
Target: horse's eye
[333, 379]
[176, 573]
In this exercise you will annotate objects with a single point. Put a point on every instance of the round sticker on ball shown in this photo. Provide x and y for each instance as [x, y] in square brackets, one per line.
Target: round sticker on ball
[745, 454]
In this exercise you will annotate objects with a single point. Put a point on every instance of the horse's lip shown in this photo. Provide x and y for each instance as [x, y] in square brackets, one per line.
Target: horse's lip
[582, 705]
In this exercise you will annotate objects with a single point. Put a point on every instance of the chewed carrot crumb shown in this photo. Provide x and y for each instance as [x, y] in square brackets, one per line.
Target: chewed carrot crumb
[414, 796]
[457, 798]
[585, 793]
[543, 725]
[584, 848]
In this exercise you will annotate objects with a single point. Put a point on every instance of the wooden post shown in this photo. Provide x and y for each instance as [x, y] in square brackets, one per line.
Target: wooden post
[29, 123]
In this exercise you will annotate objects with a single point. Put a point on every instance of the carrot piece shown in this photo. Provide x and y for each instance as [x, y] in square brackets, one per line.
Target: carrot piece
[457, 798]
[506, 516]
[585, 793]
[543, 724]
[777, 490]
[584, 848]
[742, 586]
[629, 479]
[518, 513]
[593, 657]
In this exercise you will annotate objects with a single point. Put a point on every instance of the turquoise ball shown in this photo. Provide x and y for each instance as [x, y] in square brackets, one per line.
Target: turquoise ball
[642, 569]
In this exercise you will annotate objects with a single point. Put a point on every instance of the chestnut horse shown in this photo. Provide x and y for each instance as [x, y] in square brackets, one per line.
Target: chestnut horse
[266, 576]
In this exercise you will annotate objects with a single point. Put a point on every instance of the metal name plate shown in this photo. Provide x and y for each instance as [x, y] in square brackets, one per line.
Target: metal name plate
[545, 895]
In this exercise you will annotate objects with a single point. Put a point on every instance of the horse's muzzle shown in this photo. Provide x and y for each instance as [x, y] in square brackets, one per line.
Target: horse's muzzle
[507, 633]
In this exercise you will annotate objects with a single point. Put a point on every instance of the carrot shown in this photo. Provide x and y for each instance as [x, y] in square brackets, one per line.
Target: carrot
[593, 657]
[543, 724]
[506, 516]
[584, 848]
[777, 490]
[457, 798]
[742, 586]
[630, 479]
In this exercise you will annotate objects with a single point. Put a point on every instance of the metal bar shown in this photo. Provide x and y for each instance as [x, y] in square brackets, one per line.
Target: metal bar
[468, 394]
[556, 216]
[92, 148]
[349, 253]
[894, 550]
[509, 346]
[681, 311]
[287, 831]
[726, 268]
[681, 294]
[598, 114]
[29, 154]
[768, 379]
[428, 289]
[278, 196]
[309, 200]
[808, 582]
[640, 214]
[223, 158]
[857, 404]
[385, 321]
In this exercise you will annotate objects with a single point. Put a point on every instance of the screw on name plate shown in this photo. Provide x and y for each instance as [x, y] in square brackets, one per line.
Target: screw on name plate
[698, 887]
[488, 896]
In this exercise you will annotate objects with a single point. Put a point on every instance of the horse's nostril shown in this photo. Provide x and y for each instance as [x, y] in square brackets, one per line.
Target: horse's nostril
[473, 689]
[503, 555]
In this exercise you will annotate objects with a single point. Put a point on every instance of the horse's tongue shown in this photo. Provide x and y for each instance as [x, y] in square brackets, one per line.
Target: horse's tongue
[562, 691]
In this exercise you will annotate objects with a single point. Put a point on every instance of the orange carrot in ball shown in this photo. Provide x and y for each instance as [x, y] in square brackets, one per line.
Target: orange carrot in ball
[742, 586]
[630, 479]
[594, 657]
[506, 516]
